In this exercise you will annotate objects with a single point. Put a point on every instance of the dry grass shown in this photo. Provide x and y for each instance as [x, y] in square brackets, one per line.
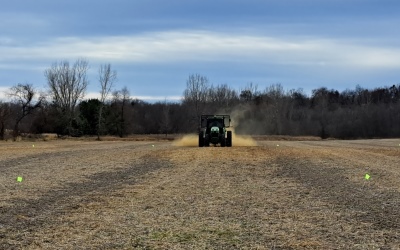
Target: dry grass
[129, 194]
[133, 137]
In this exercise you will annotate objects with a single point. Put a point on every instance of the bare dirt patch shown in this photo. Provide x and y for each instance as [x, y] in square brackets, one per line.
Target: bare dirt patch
[133, 195]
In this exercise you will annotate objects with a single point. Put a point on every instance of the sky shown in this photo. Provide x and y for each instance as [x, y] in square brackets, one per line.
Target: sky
[154, 45]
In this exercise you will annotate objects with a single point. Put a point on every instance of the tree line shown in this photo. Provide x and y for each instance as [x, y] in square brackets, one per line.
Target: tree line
[63, 109]
[350, 114]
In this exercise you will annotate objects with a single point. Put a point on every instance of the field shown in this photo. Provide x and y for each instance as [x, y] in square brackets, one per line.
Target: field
[172, 195]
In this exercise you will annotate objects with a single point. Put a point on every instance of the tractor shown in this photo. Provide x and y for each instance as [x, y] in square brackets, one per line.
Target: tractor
[213, 130]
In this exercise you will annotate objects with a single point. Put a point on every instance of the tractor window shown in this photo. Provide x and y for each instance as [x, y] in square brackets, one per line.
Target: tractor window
[215, 123]
[227, 121]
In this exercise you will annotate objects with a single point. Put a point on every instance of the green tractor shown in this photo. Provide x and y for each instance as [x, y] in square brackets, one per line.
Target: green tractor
[213, 130]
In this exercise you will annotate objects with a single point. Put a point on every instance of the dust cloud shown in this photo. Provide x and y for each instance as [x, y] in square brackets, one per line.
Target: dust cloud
[192, 140]
[242, 140]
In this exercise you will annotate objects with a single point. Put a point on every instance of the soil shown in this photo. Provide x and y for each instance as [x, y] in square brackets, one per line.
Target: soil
[148, 194]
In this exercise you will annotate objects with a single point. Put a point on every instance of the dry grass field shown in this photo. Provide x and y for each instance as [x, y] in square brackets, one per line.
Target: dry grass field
[133, 195]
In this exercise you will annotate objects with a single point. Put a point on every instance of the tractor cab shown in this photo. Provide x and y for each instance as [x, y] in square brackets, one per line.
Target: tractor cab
[215, 125]
[215, 120]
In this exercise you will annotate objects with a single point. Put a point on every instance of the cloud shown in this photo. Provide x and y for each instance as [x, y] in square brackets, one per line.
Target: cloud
[203, 46]
[292, 61]
[159, 98]
[3, 93]
[96, 95]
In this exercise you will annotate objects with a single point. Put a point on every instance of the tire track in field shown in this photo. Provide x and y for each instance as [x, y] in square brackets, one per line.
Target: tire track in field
[74, 153]
[373, 205]
[26, 216]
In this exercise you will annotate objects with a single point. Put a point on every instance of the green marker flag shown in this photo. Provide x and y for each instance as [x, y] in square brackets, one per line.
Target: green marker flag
[19, 179]
[367, 176]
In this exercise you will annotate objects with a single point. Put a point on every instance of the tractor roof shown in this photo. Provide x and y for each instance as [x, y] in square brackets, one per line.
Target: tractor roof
[215, 116]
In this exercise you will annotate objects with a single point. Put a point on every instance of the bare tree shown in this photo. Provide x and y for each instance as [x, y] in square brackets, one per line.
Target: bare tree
[278, 107]
[67, 86]
[196, 94]
[165, 119]
[249, 93]
[223, 97]
[5, 113]
[23, 95]
[125, 100]
[107, 78]
[121, 98]
[320, 103]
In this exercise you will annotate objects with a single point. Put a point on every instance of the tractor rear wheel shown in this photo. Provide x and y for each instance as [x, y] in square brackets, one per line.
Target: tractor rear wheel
[201, 139]
[229, 138]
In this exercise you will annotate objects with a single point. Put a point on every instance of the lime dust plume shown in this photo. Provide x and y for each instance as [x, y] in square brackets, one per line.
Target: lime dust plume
[192, 140]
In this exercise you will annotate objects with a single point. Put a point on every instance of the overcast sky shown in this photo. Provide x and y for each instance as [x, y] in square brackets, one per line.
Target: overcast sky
[155, 45]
